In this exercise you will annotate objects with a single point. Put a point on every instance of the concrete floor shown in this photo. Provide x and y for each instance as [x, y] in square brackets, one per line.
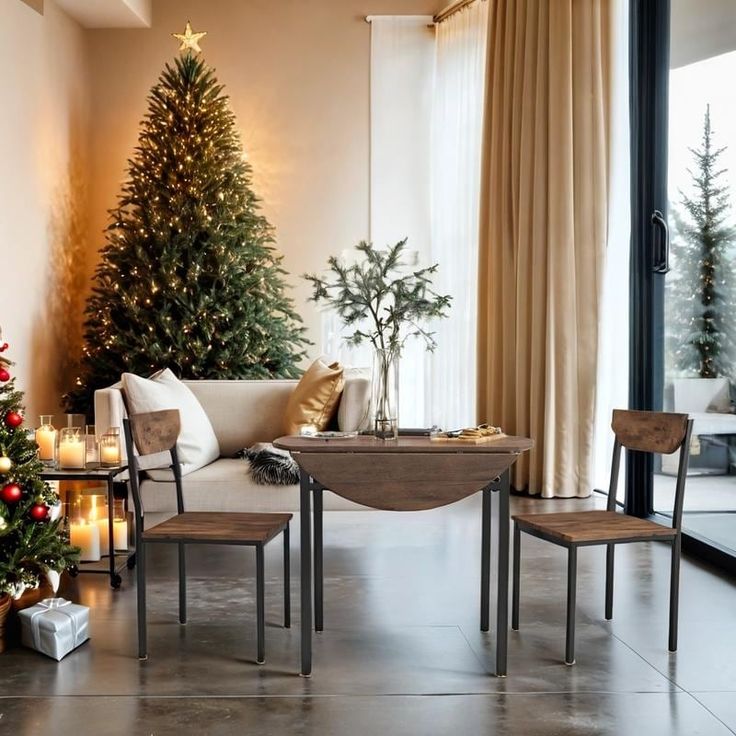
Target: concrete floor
[401, 653]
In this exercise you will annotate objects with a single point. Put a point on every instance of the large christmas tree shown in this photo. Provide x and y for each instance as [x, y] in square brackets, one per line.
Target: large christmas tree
[189, 278]
[32, 546]
[701, 309]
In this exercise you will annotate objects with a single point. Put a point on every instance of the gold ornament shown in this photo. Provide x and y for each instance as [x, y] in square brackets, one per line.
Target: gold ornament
[5, 464]
[189, 39]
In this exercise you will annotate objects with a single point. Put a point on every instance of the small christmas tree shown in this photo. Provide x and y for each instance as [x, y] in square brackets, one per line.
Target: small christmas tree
[189, 278]
[700, 305]
[32, 546]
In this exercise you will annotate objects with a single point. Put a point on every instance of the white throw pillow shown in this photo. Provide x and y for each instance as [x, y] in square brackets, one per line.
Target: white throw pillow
[197, 444]
[353, 414]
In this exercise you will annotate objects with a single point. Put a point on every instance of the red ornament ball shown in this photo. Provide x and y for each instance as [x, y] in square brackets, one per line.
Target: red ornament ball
[39, 512]
[11, 493]
[13, 419]
[4, 375]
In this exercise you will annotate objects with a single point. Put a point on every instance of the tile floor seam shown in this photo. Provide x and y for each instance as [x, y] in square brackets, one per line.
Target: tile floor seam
[651, 664]
[357, 696]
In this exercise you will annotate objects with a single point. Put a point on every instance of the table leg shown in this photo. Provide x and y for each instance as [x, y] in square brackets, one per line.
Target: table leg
[115, 579]
[306, 572]
[485, 560]
[502, 614]
[318, 569]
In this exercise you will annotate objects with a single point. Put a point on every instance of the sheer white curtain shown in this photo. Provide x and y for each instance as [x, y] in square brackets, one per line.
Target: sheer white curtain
[402, 70]
[612, 385]
[426, 111]
[457, 120]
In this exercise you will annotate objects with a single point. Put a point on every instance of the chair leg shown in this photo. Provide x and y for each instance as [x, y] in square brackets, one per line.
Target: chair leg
[674, 591]
[287, 579]
[141, 593]
[515, 593]
[182, 584]
[572, 573]
[610, 548]
[260, 605]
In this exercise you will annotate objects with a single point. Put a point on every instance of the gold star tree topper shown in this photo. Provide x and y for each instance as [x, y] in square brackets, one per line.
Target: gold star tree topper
[189, 39]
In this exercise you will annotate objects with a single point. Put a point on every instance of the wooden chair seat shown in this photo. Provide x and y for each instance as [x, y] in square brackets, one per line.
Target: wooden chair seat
[218, 528]
[592, 527]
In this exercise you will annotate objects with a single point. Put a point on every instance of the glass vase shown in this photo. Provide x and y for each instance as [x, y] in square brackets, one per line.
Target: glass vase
[385, 394]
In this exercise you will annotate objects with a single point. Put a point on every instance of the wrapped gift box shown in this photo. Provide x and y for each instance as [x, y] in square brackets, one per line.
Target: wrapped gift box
[54, 627]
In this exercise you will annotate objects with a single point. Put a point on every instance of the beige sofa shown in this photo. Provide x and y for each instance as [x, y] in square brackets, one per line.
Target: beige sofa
[242, 413]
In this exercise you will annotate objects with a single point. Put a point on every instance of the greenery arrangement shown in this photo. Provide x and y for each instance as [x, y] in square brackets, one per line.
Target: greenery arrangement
[32, 546]
[381, 297]
[701, 308]
[189, 278]
[384, 302]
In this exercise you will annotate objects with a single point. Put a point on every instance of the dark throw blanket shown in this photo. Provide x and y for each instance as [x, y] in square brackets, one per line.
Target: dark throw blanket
[270, 466]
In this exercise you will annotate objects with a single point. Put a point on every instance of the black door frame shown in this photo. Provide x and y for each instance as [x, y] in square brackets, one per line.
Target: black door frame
[649, 51]
[649, 69]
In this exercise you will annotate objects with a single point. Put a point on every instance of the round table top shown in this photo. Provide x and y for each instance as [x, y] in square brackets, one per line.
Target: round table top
[368, 444]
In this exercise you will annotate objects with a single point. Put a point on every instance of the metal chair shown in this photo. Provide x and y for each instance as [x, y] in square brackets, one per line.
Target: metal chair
[158, 432]
[635, 430]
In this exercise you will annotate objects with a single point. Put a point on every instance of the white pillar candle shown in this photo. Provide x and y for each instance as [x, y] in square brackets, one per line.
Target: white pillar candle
[72, 453]
[119, 534]
[46, 441]
[85, 535]
[101, 525]
[110, 455]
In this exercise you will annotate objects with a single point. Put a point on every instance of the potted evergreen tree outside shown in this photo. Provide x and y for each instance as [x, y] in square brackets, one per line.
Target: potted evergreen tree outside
[384, 302]
[701, 304]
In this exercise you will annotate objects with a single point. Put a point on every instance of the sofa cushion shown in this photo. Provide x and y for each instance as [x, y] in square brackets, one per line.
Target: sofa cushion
[316, 397]
[224, 485]
[197, 444]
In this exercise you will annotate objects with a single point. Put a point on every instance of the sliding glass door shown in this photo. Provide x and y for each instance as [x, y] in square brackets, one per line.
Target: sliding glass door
[683, 326]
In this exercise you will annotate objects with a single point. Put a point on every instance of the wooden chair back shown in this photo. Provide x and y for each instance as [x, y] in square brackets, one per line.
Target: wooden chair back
[652, 431]
[148, 434]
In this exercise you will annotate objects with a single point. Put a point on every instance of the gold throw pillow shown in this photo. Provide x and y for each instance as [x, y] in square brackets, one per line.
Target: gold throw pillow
[316, 397]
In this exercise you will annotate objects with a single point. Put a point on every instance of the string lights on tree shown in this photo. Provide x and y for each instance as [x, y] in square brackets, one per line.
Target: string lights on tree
[189, 277]
[700, 296]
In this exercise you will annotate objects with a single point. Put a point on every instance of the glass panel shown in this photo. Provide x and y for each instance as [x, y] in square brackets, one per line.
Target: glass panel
[700, 313]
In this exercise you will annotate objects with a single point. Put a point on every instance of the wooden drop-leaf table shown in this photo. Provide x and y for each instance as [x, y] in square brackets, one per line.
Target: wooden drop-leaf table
[406, 474]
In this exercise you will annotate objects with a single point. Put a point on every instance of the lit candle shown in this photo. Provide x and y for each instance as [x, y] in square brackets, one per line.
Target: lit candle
[110, 455]
[86, 536]
[119, 534]
[46, 441]
[72, 452]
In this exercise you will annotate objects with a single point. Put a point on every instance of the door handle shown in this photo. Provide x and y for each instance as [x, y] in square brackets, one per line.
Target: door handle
[660, 243]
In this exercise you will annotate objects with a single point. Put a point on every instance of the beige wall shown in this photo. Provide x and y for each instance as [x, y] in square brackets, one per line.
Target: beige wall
[298, 74]
[43, 137]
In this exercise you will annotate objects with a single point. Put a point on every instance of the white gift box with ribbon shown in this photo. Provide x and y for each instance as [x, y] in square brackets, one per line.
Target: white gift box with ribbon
[54, 627]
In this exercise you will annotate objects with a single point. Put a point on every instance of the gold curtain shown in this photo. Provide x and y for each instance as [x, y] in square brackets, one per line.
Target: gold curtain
[543, 232]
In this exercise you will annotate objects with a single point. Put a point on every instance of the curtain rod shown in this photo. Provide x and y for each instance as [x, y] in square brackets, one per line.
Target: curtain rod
[451, 9]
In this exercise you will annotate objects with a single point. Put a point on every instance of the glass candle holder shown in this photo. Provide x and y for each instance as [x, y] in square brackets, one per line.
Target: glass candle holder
[110, 448]
[72, 449]
[75, 421]
[46, 440]
[91, 445]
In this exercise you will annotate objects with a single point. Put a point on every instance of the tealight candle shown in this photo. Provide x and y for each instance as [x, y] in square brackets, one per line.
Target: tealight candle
[110, 455]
